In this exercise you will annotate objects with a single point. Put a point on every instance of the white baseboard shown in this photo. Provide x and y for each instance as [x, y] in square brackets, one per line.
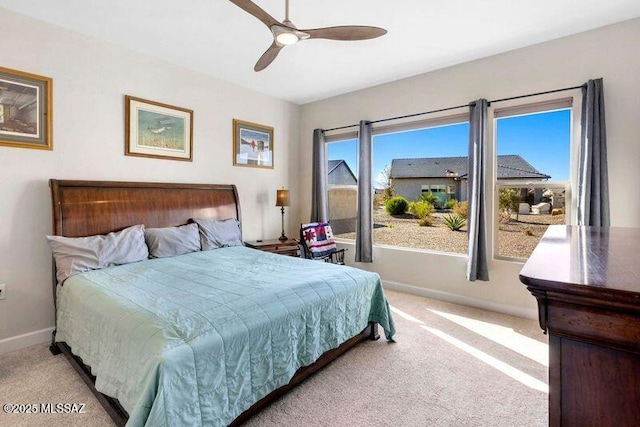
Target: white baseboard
[527, 313]
[25, 340]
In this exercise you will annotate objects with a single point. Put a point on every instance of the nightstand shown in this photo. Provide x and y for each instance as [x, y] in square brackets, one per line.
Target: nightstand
[288, 247]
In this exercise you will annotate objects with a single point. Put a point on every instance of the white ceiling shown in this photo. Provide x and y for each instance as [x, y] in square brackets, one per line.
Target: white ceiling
[217, 38]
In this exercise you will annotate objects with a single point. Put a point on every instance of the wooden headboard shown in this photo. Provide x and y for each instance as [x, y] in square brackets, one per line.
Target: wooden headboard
[85, 208]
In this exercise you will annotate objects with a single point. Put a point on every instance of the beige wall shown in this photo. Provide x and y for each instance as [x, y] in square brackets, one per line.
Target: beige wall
[609, 52]
[342, 207]
[342, 201]
[411, 188]
[90, 79]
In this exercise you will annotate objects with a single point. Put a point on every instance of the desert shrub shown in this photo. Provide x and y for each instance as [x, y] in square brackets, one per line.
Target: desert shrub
[386, 182]
[387, 193]
[397, 205]
[527, 232]
[411, 208]
[378, 200]
[429, 197]
[454, 222]
[508, 201]
[426, 221]
[504, 217]
[461, 209]
[420, 209]
[449, 204]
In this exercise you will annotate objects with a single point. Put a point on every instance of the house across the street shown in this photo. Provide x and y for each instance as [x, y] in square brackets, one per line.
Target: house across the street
[339, 173]
[446, 177]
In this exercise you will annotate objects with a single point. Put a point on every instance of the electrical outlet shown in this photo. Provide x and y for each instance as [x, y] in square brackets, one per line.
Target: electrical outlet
[3, 291]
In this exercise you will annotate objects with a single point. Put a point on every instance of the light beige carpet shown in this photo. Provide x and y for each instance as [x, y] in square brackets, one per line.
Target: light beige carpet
[451, 366]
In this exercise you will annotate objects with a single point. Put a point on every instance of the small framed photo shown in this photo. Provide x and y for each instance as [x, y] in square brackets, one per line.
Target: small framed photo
[158, 130]
[25, 110]
[252, 145]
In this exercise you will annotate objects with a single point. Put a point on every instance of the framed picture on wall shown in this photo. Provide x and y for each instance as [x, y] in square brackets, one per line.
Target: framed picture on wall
[252, 145]
[158, 130]
[25, 110]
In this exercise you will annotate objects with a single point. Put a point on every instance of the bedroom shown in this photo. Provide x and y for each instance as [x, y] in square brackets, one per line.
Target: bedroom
[91, 77]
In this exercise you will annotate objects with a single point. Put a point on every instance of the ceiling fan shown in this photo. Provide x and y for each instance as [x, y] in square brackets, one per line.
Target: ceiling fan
[285, 33]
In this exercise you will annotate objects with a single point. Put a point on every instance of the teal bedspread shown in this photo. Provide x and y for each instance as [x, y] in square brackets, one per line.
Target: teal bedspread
[195, 340]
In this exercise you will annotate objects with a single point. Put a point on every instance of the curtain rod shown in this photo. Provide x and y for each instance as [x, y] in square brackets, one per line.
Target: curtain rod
[399, 117]
[539, 93]
[458, 106]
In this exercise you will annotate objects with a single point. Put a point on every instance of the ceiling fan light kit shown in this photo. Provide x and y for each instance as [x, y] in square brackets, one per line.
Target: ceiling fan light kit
[287, 38]
[285, 33]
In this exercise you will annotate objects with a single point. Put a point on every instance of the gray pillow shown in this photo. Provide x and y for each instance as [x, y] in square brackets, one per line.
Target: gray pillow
[75, 255]
[172, 241]
[219, 234]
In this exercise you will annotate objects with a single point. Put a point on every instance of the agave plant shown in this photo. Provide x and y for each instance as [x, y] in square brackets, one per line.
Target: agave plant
[454, 222]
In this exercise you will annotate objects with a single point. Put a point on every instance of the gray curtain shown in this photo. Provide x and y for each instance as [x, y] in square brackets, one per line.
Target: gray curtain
[364, 223]
[593, 187]
[477, 268]
[319, 178]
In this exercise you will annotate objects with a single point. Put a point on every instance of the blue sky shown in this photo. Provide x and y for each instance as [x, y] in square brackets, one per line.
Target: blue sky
[541, 139]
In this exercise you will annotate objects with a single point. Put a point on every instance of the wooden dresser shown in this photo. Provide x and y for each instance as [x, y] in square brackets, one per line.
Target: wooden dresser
[587, 284]
[288, 247]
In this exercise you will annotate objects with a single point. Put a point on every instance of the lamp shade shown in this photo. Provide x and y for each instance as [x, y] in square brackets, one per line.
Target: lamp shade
[282, 198]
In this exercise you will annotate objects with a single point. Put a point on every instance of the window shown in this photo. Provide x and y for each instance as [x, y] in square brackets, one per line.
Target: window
[425, 163]
[342, 187]
[532, 174]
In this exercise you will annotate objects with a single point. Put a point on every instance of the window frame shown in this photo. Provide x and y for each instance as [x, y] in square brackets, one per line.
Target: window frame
[570, 100]
[521, 106]
[404, 125]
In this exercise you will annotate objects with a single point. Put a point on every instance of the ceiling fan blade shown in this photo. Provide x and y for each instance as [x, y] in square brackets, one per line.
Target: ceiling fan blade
[348, 32]
[267, 58]
[255, 10]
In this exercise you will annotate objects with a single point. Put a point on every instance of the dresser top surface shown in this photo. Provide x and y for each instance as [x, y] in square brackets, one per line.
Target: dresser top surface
[597, 257]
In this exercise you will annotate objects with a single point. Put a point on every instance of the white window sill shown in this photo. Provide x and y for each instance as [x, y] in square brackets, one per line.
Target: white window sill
[405, 249]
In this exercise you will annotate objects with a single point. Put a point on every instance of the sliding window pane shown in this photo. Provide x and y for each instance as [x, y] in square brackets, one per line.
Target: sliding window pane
[533, 149]
[342, 180]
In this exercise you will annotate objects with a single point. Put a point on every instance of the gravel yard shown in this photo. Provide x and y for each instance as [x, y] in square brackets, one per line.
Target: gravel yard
[518, 238]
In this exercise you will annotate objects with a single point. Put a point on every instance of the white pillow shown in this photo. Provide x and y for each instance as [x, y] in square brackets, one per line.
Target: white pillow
[216, 234]
[172, 241]
[75, 255]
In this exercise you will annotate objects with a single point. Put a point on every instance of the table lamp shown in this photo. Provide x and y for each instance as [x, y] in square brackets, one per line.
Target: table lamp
[282, 200]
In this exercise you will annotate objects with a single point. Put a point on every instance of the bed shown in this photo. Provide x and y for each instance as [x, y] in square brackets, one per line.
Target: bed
[207, 337]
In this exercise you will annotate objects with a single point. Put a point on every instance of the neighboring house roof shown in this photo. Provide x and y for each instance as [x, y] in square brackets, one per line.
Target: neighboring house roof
[334, 164]
[510, 166]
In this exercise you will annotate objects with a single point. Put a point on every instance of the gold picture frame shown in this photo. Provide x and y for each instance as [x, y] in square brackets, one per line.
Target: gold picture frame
[252, 145]
[26, 114]
[157, 130]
